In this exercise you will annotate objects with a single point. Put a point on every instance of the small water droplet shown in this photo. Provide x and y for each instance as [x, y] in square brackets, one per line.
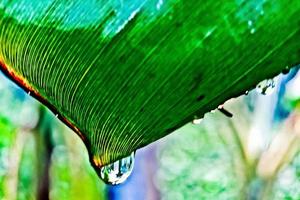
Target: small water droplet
[251, 26]
[197, 121]
[221, 106]
[266, 87]
[286, 70]
[250, 22]
[29, 93]
[159, 4]
[117, 172]
[247, 92]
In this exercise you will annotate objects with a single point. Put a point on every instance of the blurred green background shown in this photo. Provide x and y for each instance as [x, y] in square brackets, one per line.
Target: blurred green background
[254, 155]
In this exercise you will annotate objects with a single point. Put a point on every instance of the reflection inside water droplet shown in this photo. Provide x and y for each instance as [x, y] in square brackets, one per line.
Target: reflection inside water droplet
[266, 87]
[117, 172]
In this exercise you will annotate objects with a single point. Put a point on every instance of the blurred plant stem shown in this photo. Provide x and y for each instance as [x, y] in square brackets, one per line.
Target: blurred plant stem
[40, 137]
[281, 152]
[258, 165]
[11, 179]
[243, 164]
[45, 146]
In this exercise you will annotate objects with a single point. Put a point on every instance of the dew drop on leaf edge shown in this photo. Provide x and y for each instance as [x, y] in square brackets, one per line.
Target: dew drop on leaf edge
[266, 87]
[286, 70]
[197, 121]
[118, 171]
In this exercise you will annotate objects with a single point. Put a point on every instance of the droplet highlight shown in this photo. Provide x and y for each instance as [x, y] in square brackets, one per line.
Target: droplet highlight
[221, 106]
[117, 172]
[251, 26]
[266, 87]
[197, 121]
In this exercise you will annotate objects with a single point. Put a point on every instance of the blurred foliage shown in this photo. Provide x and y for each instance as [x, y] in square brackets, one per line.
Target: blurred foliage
[196, 166]
[27, 180]
[288, 185]
[22, 153]
[251, 156]
[7, 135]
[72, 176]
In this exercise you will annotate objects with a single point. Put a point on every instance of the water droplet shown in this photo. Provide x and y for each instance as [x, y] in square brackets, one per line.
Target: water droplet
[221, 106]
[29, 93]
[266, 87]
[252, 31]
[117, 172]
[250, 22]
[197, 121]
[251, 26]
[247, 92]
[286, 70]
[159, 4]
[213, 111]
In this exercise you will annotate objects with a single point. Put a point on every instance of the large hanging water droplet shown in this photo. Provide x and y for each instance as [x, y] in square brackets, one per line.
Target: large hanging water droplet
[266, 87]
[117, 172]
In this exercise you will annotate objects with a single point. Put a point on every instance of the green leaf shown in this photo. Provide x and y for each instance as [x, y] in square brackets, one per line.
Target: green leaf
[123, 74]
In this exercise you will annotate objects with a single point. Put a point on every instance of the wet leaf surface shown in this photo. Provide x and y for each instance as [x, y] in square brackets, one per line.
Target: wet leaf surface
[124, 74]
